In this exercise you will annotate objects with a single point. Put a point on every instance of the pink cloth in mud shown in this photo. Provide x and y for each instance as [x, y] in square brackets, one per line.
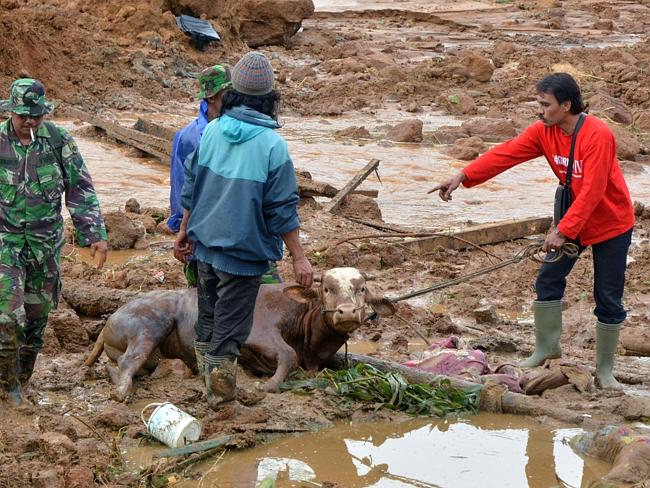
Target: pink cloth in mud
[451, 357]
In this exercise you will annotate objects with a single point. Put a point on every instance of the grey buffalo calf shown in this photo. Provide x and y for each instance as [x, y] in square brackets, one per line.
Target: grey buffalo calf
[292, 326]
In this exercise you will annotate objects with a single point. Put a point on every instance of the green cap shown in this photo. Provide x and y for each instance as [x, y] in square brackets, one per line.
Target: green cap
[212, 80]
[27, 98]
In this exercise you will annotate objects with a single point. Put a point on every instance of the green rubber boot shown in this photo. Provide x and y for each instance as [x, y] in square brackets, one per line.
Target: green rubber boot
[200, 348]
[220, 374]
[606, 342]
[548, 329]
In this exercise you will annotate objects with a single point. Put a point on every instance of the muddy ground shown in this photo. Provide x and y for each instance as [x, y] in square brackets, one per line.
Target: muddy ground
[479, 63]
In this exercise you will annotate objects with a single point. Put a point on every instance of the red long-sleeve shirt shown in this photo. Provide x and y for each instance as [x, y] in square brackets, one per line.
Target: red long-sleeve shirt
[602, 207]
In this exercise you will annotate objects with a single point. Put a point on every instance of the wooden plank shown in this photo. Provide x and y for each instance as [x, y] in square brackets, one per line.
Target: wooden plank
[484, 234]
[160, 148]
[154, 129]
[334, 204]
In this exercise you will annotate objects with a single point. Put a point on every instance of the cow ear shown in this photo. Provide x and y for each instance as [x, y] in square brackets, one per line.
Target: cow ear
[300, 294]
[382, 305]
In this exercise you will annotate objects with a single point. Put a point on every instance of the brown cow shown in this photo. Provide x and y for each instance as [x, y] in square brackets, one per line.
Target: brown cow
[292, 326]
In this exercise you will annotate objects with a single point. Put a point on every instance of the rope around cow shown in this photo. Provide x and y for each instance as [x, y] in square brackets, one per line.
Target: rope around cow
[532, 251]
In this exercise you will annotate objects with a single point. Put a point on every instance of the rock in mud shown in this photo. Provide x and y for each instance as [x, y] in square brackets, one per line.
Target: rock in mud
[80, 477]
[407, 131]
[132, 206]
[47, 479]
[93, 328]
[447, 134]
[391, 256]
[458, 103]
[122, 232]
[300, 74]
[490, 130]
[115, 415]
[172, 367]
[52, 345]
[602, 104]
[467, 148]
[354, 132]
[634, 408]
[636, 341]
[485, 315]
[62, 425]
[362, 207]
[626, 144]
[57, 447]
[70, 333]
[146, 221]
[479, 67]
[642, 120]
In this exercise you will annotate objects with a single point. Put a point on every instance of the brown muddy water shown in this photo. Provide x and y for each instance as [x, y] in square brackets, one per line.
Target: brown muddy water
[407, 171]
[480, 451]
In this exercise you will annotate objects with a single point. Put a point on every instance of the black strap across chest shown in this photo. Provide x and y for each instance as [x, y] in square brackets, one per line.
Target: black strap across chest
[569, 169]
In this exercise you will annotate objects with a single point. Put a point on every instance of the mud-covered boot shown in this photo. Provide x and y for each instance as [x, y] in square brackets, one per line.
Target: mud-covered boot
[11, 386]
[548, 329]
[200, 348]
[606, 342]
[220, 380]
[26, 362]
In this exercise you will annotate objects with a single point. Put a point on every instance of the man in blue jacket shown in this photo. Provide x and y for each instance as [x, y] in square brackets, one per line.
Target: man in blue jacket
[213, 83]
[240, 203]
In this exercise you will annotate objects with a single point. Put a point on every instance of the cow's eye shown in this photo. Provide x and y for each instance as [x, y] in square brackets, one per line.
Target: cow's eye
[327, 290]
[363, 289]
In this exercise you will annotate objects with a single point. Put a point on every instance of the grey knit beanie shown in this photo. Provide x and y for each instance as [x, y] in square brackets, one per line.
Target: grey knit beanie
[253, 75]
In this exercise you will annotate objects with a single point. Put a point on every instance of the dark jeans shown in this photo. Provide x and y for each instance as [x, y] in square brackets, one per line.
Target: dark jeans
[226, 305]
[610, 260]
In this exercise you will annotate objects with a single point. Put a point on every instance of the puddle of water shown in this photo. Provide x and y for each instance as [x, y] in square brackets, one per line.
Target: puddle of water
[487, 451]
[361, 347]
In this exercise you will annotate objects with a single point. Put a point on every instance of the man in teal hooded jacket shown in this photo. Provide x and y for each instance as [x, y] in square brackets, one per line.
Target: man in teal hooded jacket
[240, 204]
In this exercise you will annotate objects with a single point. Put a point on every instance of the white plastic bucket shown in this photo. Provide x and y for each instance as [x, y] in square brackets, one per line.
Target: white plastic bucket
[170, 425]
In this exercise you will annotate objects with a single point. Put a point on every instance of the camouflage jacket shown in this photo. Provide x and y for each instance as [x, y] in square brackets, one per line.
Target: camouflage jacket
[32, 182]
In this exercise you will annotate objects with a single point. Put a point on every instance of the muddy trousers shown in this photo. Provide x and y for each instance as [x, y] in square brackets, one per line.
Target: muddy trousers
[610, 261]
[226, 303]
[28, 291]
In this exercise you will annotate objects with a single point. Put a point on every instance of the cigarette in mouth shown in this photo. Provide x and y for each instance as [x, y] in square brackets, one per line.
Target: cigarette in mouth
[31, 132]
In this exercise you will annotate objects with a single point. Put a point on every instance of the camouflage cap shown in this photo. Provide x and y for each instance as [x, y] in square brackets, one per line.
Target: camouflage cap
[212, 80]
[27, 97]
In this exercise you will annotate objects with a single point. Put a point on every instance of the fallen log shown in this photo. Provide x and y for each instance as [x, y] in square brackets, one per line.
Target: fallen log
[483, 234]
[358, 178]
[94, 301]
[160, 148]
[494, 398]
[154, 129]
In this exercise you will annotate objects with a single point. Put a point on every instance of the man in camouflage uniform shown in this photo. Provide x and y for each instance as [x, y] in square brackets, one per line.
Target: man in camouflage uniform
[39, 162]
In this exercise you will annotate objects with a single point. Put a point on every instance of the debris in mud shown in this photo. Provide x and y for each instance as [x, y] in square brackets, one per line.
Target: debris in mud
[368, 384]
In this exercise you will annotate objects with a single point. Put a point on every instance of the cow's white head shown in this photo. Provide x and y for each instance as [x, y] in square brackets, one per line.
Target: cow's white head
[344, 298]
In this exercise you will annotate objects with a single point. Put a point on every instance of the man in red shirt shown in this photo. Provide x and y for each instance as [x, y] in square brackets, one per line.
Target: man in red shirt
[601, 215]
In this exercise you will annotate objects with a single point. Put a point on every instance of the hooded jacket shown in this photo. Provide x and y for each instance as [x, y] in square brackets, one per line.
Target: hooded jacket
[240, 189]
